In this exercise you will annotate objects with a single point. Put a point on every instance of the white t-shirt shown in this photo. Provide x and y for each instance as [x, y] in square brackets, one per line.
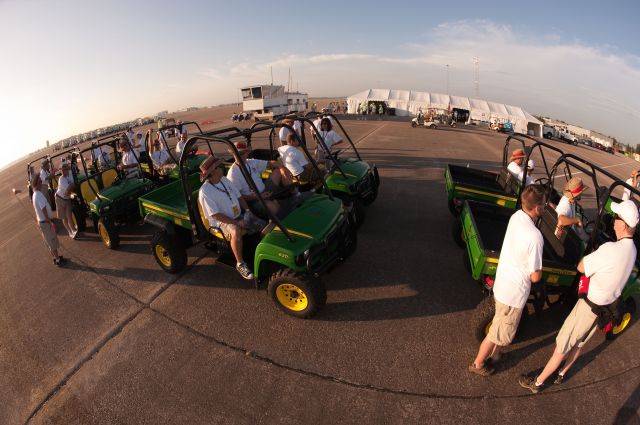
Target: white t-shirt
[44, 175]
[609, 268]
[284, 132]
[256, 167]
[180, 146]
[221, 198]
[142, 147]
[63, 186]
[330, 138]
[103, 157]
[160, 158]
[316, 123]
[293, 159]
[129, 158]
[566, 208]
[521, 255]
[39, 202]
[297, 126]
[515, 169]
[626, 194]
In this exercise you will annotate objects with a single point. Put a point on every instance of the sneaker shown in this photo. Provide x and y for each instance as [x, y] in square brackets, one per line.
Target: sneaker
[530, 384]
[244, 270]
[60, 261]
[558, 379]
[485, 370]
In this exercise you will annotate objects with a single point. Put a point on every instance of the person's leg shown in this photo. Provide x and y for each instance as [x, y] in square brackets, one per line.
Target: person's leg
[276, 177]
[552, 365]
[486, 348]
[236, 242]
[571, 358]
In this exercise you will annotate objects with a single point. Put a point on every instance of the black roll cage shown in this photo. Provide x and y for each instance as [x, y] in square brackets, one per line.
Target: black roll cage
[164, 140]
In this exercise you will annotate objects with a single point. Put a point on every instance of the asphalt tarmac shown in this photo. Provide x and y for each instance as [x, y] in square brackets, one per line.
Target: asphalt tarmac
[111, 338]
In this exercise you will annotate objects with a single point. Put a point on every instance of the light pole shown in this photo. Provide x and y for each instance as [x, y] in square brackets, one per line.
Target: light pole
[447, 78]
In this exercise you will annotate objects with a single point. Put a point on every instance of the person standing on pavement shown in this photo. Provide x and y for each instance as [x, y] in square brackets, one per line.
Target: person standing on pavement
[63, 200]
[607, 270]
[519, 266]
[44, 217]
[45, 176]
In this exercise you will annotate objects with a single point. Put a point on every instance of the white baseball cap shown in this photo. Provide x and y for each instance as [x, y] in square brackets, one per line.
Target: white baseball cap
[627, 211]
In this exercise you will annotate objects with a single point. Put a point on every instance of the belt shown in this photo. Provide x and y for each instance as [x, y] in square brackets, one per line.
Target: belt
[64, 199]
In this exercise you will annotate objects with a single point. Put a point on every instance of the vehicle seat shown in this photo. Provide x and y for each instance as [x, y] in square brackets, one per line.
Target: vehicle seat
[108, 177]
[506, 181]
[569, 247]
[86, 190]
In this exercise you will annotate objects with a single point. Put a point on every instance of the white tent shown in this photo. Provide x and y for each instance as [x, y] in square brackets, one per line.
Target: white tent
[408, 102]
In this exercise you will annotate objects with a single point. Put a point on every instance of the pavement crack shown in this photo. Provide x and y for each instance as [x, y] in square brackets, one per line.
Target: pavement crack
[369, 387]
[115, 331]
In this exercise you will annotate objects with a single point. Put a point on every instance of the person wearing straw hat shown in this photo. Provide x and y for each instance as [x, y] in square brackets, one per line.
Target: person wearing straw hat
[128, 162]
[44, 217]
[515, 166]
[606, 270]
[63, 200]
[280, 176]
[566, 209]
[222, 205]
[530, 168]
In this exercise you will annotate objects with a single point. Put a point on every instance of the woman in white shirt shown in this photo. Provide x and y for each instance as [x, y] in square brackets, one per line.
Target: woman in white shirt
[330, 138]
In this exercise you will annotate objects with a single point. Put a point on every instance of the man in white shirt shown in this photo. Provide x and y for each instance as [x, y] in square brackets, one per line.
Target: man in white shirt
[44, 218]
[45, 176]
[128, 162]
[280, 175]
[296, 163]
[519, 266]
[161, 159]
[515, 166]
[566, 209]
[608, 269]
[530, 168]
[284, 131]
[101, 156]
[223, 205]
[139, 147]
[181, 142]
[633, 182]
[63, 199]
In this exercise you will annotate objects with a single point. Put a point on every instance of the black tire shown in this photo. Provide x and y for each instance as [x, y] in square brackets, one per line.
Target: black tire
[630, 310]
[296, 294]
[108, 234]
[413, 124]
[351, 241]
[432, 126]
[456, 232]
[79, 217]
[169, 252]
[482, 317]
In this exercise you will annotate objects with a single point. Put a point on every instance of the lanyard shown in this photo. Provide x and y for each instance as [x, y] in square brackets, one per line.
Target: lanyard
[223, 190]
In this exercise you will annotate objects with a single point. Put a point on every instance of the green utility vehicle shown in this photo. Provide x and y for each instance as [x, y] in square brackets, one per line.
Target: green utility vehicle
[495, 188]
[104, 191]
[288, 255]
[352, 180]
[169, 172]
[485, 225]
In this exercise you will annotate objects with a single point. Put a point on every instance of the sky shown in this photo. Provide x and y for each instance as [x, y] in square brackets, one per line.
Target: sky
[73, 66]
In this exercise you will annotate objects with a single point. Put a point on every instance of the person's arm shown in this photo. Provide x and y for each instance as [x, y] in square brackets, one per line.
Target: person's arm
[536, 276]
[564, 220]
[581, 266]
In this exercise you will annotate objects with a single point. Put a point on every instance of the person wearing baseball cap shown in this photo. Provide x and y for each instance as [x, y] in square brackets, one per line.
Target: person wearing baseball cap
[44, 217]
[284, 131]
[515, 166]
[566, 209]
[223, 206]
[280, 176]
[608, 268]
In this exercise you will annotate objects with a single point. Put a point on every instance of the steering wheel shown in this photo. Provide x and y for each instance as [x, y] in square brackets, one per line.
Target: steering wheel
[283, 192]
[542, 181]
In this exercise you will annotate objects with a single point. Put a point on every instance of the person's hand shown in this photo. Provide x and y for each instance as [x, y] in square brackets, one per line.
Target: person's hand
[579, 223]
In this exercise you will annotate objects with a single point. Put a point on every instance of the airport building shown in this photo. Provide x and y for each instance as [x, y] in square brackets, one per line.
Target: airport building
[406, 102]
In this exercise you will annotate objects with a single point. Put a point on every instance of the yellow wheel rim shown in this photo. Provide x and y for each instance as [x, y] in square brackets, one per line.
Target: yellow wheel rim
[486, 328]
[104, 234]
[291, 297]
[623, 324]
[162, 255]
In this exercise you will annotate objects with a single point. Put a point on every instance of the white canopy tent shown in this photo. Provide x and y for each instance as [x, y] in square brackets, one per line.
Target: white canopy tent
[407, 102]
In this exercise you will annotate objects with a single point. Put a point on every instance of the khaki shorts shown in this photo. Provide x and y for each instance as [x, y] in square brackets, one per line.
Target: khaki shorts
[505, 324]
[577, 328]
[309, 175]
[49, 236]
[227, 229]
[63, 207]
